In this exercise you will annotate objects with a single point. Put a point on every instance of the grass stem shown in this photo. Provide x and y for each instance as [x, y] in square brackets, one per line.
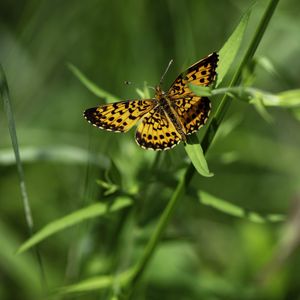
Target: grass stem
[206, 142]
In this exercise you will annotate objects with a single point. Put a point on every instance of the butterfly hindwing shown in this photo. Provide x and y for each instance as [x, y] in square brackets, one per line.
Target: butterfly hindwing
[156, 131]
[119, 116]
[193, 112]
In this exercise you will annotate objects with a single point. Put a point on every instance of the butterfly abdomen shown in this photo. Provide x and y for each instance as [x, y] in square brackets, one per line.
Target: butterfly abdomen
[172, 115]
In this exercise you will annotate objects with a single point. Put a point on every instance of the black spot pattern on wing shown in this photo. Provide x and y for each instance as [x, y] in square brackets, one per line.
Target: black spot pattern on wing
[156, 131]
[193, 112]
[119, 116]
[201, 73]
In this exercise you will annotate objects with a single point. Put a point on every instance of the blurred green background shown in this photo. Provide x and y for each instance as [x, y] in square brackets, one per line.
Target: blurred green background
[205, 253]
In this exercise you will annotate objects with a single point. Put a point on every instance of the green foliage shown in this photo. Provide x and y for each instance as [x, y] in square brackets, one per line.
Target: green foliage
[92, 211]
[91, 85]
[234, 210]
[113, 221]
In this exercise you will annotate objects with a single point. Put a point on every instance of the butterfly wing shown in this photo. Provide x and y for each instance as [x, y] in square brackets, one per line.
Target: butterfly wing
[193, 110]
[119, 116]
[201, 73]
[156, 131]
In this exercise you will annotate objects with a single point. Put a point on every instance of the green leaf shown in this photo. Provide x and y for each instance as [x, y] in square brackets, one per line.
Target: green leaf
[267, 65]
[140, 93]
[204, 91]
[91, 284]
[290, 99]
[98, 283]
[229, 50]
[110, 188]
[261, 109]
[196, 155]
[226, 56]
[236, 211]
[75, 218]
[91, 86]
[112, 173]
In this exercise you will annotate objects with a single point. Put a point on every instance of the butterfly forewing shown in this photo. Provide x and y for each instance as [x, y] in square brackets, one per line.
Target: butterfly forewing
[156, 131]
[119, 116]
[201, 73]
[193, 110]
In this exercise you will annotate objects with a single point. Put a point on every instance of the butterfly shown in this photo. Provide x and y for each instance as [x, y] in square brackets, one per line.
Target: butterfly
[166, 119]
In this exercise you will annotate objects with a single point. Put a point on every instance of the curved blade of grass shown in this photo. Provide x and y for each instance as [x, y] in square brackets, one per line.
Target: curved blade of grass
[75, 218]
[98, 283]
[236, 211]
[91, 284]
[91, 86]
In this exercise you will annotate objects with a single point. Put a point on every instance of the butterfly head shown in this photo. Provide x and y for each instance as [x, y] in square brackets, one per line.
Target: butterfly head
[159, 93]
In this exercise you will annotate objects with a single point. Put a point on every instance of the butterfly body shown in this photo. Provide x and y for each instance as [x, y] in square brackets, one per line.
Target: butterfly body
[168, 106]
[166, 119]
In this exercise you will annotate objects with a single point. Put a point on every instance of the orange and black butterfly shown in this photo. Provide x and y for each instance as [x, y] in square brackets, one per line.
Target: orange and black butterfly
[167, 118]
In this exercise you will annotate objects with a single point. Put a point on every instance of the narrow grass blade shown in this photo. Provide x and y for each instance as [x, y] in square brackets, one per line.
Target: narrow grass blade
[91, 86]
[74, 218]
[13, 135]
[236, 211]
[91, 284]
[4, 93]
[98, 283]
[230, 49]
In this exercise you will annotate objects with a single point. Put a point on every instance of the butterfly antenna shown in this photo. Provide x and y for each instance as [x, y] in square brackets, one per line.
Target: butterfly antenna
[167, 69]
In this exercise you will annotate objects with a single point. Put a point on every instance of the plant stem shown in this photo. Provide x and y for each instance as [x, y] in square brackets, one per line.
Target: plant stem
[206, 142]
[222, 109]
[164, 219]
